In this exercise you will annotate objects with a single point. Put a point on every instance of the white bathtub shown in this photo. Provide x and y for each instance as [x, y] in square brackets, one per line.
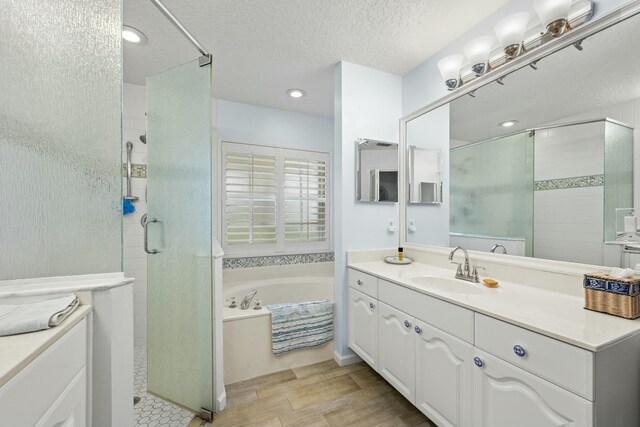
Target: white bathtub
[247, 333]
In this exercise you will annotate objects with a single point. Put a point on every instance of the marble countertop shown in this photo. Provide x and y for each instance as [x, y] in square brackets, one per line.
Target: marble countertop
[17, 351]
[554, 314]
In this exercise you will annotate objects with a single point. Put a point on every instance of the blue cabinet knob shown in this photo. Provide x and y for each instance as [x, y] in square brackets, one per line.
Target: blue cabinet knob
[407, 324]
[519, 351]
[478, 362]
[418, 329]
[371, 305]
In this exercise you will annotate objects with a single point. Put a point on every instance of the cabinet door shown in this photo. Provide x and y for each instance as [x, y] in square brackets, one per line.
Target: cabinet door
[506, 396]
[363, 327]
[396, 355]
[444, 377]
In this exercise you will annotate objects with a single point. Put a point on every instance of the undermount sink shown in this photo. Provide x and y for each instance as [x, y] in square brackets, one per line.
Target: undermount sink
[449, 285]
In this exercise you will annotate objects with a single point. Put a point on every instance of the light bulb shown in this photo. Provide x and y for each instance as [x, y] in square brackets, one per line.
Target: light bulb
[554, 15]
[450, 70]
[477, 52]
[510, 32]
[132, 35]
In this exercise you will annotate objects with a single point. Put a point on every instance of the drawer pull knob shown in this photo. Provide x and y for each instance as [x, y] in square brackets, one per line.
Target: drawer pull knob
[372, 305]
[418, 329]
[478, 362]
[519, 351]
[407, 324]
[359, 282]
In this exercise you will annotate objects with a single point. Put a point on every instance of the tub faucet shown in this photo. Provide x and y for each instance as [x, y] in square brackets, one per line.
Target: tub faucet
[497, 246]
[246, 301]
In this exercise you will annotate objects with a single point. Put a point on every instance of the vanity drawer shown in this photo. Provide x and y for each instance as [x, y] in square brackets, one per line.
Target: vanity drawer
[563, 364]
[365, 283]
[32, 395]
[445, 316]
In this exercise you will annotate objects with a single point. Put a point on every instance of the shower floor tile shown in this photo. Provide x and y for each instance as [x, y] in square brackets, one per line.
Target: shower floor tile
[152, 411]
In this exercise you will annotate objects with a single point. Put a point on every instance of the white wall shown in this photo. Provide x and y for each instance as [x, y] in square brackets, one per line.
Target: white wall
[253, 124]
[368, 104]
[134, 257]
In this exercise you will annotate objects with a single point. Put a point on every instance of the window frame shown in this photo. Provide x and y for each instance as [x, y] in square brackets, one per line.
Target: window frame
[280, 247]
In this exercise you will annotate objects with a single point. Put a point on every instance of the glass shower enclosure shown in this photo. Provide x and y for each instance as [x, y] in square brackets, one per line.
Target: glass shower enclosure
[178, 237]
[556, 188]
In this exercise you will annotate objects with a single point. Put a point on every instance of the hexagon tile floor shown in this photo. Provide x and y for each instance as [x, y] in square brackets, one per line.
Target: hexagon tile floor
[152, 411]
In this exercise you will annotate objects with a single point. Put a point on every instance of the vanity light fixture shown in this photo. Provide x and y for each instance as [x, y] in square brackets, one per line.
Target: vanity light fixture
[450, 70]
[516, 36]
[510, 31]
[508, 123]
[477, 52]
[554, 15]
[296, 93]
[131, 35]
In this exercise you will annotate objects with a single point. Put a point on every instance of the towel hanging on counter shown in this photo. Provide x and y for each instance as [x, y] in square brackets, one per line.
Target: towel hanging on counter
[300, 325]
[35, 316]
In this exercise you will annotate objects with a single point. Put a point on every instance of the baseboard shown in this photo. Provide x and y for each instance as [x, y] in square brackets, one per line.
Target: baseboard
[346, 359]
[221, 401]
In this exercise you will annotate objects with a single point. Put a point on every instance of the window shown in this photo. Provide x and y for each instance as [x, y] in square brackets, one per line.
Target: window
[274, 199]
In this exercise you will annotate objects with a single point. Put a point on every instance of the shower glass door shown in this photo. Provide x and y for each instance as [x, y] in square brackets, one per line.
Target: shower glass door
[178, 236]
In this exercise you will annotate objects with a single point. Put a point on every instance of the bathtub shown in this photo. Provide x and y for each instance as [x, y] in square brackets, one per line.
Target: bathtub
[247, 333]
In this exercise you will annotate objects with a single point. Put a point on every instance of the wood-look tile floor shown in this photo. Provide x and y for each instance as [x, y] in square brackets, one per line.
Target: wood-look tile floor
[322, 395]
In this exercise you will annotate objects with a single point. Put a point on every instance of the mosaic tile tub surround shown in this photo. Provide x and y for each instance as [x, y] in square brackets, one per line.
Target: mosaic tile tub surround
[573, 182]
[275, 260]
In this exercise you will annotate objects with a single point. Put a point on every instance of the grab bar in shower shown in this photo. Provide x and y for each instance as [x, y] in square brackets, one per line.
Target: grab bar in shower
[128, 196]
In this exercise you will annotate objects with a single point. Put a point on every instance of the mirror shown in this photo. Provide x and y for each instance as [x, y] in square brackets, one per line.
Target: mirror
[424, 168]
[552, 183]
[376, 171]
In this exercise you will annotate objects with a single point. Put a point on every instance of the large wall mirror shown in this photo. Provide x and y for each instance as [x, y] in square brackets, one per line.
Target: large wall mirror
[540, 164]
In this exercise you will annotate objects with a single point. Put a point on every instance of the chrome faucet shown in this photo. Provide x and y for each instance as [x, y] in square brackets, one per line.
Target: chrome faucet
[246, 301]
[496, 246]
[465, 273]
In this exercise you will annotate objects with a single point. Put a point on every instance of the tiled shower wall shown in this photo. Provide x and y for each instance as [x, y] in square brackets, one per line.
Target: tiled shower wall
[568, 220]
[581, 209]
[134, 257]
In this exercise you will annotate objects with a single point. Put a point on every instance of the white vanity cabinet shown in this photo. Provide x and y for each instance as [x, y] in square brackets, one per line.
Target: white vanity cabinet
[397, 356]
[52, 389]
[444, 376]
[466, 369]
[506, 396]
[363, 326]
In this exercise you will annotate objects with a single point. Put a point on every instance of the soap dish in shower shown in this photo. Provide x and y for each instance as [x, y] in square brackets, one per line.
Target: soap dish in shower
[398, 261]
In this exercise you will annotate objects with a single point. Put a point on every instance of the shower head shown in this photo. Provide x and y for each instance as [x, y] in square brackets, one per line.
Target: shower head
[143, 138]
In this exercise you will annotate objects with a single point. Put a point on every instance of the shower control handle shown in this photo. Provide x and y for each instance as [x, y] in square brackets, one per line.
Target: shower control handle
[146, 236]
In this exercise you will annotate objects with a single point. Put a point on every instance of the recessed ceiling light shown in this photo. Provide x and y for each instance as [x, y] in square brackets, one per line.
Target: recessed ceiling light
[508, 123]
[296, 93]
[132, 35]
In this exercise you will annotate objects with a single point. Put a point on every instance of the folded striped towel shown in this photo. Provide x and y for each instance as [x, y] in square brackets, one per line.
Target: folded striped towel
[35, 316]
[300, 325]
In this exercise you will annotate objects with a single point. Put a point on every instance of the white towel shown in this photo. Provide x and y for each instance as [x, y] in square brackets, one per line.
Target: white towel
[36, 316]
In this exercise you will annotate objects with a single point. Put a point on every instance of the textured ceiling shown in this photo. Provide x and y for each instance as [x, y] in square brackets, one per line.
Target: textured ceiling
[566, 84]
[262, 48]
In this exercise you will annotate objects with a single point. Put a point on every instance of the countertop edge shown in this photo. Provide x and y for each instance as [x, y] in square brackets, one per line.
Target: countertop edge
[56, 333]
[559, 337]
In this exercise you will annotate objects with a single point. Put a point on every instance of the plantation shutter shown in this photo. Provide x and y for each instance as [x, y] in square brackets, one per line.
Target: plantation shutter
[274, 199]
[305, 198]
[250, 193]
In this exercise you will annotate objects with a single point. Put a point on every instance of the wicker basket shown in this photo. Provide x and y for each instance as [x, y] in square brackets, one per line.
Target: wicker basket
[620, 297]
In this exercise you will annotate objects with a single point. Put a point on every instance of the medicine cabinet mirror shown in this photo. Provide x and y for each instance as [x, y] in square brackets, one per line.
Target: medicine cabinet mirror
[376, 171]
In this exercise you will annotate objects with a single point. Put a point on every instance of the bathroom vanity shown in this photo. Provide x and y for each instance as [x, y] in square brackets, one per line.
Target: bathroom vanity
[468, 355]
[45, 375]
